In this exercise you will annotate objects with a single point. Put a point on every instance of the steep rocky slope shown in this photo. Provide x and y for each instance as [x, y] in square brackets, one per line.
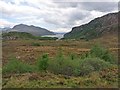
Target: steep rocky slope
[105, 25]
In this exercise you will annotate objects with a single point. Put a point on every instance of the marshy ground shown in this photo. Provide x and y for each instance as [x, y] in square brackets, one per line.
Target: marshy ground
[29, 50]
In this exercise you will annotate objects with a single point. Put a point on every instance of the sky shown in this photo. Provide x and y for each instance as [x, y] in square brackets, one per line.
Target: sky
[54, 15]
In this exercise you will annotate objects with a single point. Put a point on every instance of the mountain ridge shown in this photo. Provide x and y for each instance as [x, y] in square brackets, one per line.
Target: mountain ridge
[95, 28]
[34, 30]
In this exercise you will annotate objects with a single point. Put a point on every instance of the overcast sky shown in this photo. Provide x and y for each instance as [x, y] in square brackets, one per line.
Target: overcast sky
[54, 15]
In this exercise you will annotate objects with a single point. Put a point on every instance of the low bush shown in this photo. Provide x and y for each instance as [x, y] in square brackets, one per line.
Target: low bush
[89, 65]
[102, 53]
[43, 63]
[66, 67]
[16, 66]
[78, 67]
[97, 59]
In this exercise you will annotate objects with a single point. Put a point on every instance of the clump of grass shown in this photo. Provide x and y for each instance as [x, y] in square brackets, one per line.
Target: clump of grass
[35, 44]
[16, 66]
[73, 56]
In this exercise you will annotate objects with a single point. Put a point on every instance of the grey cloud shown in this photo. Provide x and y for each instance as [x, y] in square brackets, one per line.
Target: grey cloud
[99, 6]
[58, 14]
[82, 9]
[67, 4]
[51, 21]
[78, 15]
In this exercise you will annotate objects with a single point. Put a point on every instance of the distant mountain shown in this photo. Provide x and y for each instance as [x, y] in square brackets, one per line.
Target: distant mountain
[105, 25]
[23, 35]
[0, 29]
[5, 29]
[36, 31]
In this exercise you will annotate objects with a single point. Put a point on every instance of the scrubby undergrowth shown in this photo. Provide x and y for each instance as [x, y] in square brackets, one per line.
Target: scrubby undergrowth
[93, 68]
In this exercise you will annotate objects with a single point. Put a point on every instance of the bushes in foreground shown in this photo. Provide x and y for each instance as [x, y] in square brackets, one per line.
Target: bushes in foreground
[78, 67]
[96, 60]
[16, 66]
[102, 53]
[43, 63]
[92, 64]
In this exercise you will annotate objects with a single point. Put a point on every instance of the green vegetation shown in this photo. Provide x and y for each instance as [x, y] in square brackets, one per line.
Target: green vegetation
[43, 63]
[78, 67]
[16, 66]
[97, 59]
[35, 44]
[17, 35]
[89, 65]
[102, 53]
[24, 35]
[46, 38]
[74, 65]
[87, 70]
[106, 79]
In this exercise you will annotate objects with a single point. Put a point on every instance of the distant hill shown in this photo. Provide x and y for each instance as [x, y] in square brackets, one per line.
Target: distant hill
[105, 25]
[5, 29]
[36, 31]
[23, 35]
[17, 35]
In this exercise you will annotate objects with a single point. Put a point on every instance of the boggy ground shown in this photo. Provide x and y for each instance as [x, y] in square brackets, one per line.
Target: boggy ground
[103, 79]
[26, 50]
[29, 50]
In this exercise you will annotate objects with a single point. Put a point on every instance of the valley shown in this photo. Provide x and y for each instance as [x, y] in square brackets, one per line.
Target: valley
[85, 57]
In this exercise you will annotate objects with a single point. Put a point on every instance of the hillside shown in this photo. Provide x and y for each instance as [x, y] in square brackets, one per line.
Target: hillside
[101, 26]
[36, 31]
[23, 35]
[17, 35]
